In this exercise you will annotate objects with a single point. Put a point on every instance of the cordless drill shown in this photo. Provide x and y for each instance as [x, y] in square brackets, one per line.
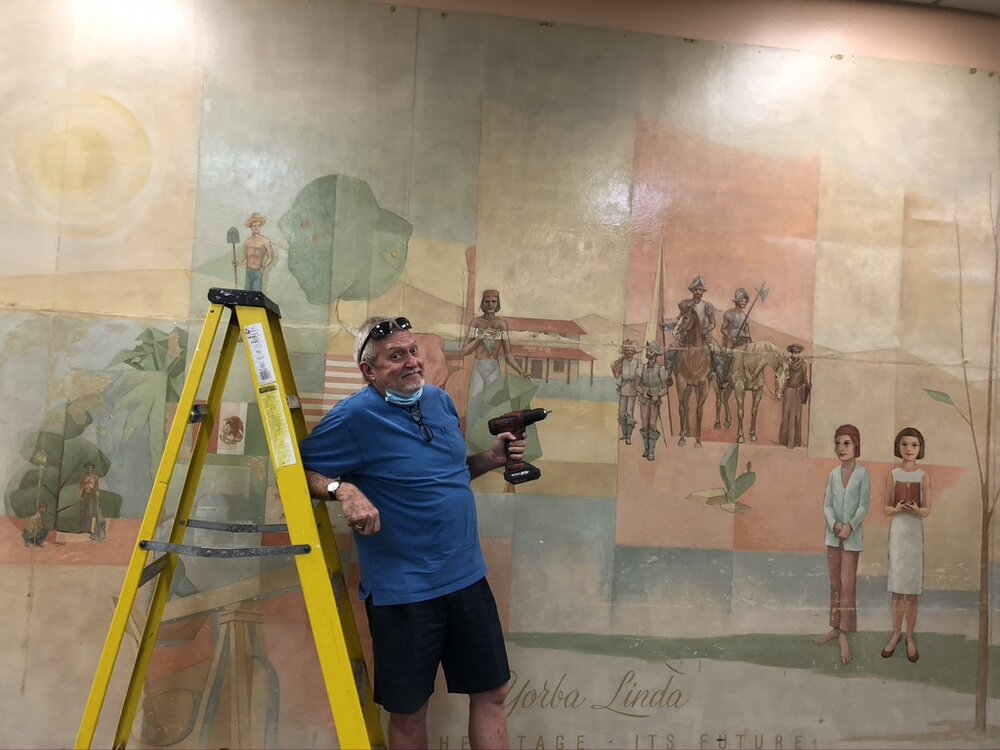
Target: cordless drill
[517, 422]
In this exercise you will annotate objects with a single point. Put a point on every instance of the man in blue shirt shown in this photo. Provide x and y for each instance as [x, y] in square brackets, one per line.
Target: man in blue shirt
[393, 455]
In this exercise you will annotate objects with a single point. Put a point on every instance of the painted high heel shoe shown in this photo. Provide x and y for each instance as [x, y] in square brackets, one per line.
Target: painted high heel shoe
[888, 652]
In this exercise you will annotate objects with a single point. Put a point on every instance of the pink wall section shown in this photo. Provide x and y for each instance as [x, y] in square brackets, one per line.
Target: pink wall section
[736, 218]
[777, 519]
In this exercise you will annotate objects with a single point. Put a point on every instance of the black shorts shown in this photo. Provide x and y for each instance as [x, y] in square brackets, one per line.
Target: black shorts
[461, 631]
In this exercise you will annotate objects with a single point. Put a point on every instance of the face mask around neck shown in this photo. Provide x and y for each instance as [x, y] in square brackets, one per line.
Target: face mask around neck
[399, 399]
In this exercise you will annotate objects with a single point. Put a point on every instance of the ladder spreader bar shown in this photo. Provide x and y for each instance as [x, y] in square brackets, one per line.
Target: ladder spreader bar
[224, 552]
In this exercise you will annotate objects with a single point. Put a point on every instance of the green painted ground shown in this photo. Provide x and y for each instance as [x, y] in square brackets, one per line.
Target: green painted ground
[947, 661]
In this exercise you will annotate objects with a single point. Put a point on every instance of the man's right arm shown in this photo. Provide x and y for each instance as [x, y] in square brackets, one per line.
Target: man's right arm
[360, 513]
[317, 485]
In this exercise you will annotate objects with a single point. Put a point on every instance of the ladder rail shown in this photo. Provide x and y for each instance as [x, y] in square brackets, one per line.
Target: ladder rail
[306, 526]
[134, 573]
[334, 566]
[348, 625]
[185, 506]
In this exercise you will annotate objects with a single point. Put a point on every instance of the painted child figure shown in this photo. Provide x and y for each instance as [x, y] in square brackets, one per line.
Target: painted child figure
[36, 529]
[845, 506]
[907, 503]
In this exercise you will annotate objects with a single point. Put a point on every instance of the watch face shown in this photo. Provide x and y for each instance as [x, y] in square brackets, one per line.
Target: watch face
[331, 489]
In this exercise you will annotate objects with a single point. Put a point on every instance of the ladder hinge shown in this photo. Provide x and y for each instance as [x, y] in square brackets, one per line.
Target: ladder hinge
[198, 413]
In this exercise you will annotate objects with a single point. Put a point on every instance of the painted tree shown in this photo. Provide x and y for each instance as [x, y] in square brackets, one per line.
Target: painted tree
[58, 454]
[982, 430]
[341, 244]
[155, 380]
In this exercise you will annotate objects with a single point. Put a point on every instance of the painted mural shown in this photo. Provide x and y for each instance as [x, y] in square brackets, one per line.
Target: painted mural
[757, 289]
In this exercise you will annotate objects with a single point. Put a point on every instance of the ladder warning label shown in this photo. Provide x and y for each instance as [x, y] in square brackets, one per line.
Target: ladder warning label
[272, 411]
[260, 354]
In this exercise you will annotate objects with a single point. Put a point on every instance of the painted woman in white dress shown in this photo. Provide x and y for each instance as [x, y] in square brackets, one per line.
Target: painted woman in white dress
[907, 503]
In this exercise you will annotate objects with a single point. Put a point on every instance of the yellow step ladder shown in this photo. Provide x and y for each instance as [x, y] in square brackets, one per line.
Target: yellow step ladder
[255, 320]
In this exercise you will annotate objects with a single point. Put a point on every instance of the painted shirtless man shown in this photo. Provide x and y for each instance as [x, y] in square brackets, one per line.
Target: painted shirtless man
[91, 519]
[258, 254]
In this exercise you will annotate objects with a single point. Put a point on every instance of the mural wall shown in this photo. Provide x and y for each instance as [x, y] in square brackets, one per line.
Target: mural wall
[704, 258]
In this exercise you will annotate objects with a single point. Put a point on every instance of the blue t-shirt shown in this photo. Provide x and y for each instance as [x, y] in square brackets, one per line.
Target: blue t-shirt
[428, 545]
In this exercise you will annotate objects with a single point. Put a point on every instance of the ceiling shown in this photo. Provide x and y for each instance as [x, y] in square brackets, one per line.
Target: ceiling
[980, 6]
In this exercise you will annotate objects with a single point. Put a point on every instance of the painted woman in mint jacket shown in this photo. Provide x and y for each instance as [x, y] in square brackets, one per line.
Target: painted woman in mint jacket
[845, 505]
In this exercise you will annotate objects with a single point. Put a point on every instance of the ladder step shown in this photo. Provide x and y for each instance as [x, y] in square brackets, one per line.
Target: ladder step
[224, 552]
[240, 298]
[248, 528]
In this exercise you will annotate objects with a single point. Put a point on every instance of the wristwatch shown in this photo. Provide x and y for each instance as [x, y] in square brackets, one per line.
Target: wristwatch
[331, 489]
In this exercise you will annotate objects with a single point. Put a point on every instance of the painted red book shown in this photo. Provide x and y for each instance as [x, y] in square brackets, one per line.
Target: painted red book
[906, 492]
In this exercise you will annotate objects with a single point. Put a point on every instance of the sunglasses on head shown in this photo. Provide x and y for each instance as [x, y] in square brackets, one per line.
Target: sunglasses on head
[382, 330]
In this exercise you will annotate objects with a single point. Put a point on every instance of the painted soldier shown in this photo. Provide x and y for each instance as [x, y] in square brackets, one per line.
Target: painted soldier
[625, 369]
[736, 322]
[652, 382]
[705, 311]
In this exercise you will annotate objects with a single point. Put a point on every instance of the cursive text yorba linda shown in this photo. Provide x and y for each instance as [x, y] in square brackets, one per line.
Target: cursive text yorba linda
[630, 697]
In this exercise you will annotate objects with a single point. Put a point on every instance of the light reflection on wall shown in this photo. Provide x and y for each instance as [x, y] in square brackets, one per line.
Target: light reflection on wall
[125, 20]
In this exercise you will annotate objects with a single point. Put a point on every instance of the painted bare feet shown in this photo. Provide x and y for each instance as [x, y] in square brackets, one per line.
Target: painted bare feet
[845, 649]
[823, 639]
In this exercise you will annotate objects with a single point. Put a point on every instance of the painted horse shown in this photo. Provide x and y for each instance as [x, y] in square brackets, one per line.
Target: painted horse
[746, 373]
[691, 368]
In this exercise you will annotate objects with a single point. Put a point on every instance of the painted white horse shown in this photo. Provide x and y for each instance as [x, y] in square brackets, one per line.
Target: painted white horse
[746, 373]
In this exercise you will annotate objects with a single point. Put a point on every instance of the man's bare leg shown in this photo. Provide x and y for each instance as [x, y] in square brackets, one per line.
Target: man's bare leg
[408, 731]
[488, 720]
